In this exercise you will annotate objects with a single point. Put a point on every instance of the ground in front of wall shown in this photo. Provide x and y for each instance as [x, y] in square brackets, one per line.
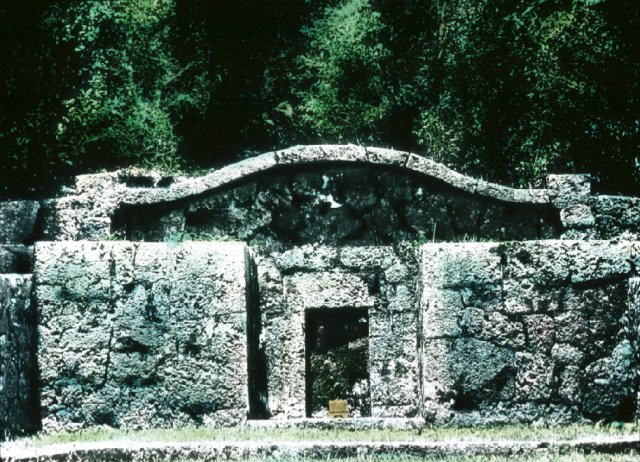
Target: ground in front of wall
[615, 442]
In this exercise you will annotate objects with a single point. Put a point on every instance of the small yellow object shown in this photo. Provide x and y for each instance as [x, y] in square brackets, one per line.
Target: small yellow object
[338, 408]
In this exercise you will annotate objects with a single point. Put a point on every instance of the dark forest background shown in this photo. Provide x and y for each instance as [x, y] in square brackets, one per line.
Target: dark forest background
[503, 89]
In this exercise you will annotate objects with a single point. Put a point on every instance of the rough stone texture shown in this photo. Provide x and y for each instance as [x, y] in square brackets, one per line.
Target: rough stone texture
[566, 190]
[141, 335]
[577, 216]
[295, 282]
[18, 379]
[459, 207]
[389, 157]
[91, 209]
[15, 258]
[522, 331]
[18, 221]
[617, 216]
[338, 206]
[528, 331]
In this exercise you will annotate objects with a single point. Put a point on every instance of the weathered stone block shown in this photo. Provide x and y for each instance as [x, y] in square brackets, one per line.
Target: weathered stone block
[559, 307]
[459, 265]
[307, 257]
[496, 191]
[387, 156]
[565, 190]
[577, 216]
[540, 332]
[534, 376]
[332, 290]
[566, 354]
[366, 257]
[569, 389]
[555, 262]
[18, 221]
[572, 327]
[439, 171]
[164, 322]
[462, 367]
[442, 312]
[610, 383]
[322, 153]
[617, 216]
[240, 170]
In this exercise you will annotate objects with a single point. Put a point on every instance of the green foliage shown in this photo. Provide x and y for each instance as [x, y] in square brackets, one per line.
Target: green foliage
[344, 72]
[504, 89]
[517, 89]
[134, 82]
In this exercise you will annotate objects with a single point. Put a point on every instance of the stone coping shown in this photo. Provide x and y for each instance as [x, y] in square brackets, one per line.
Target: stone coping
[159, 451]
[183, 187]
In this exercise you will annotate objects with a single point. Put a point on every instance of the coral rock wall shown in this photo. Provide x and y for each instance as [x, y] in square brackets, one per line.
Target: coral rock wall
[141, 334]
[529, 331]
[337, 286]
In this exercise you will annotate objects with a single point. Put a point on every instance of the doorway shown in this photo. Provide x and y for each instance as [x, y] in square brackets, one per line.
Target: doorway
[337, 360]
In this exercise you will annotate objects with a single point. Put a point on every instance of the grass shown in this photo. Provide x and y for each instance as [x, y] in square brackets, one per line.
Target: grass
[235, 434]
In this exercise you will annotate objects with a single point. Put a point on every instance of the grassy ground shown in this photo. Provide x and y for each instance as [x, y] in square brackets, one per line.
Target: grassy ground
[235, 434]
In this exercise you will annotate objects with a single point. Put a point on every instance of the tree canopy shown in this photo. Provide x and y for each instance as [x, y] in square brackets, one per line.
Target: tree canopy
[509, 90]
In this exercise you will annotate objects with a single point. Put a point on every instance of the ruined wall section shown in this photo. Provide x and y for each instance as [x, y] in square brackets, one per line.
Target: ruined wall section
[98, 204]
[18, 369]
[141, 334]
[147, 205]
[528, 332]
[342, 206]
[296, 282]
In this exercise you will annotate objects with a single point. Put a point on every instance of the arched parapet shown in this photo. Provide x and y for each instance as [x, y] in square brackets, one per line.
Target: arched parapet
[94, 207]
[332, 154]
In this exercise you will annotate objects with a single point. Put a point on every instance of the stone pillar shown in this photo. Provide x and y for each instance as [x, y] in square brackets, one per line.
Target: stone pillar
[571, 194]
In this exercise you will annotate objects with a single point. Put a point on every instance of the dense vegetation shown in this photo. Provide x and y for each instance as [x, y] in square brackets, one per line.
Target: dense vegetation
[504, 89]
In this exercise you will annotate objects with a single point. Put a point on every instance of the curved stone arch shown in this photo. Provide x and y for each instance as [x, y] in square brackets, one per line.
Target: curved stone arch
[183, 188]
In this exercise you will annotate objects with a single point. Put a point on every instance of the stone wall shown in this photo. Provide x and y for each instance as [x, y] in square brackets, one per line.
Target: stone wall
[310, 278]
[338, 206]
[141, 335]
[102, 203]
[136, 334]
[19, 412]
[529, 331]
[333, 194]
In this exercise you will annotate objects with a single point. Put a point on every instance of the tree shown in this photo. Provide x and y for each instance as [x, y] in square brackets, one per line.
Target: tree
[140, 73]
[343, 84]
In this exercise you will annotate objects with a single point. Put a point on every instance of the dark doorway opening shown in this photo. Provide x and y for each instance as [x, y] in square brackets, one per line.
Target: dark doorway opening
[337, 360]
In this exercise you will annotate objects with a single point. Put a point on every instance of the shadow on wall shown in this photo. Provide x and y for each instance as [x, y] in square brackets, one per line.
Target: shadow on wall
[338, 206]
[541, 331]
